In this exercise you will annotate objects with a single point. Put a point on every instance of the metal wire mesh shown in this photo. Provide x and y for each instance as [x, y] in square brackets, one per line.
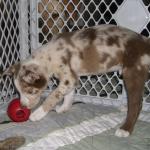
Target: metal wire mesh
[9, 47]
[49, 17]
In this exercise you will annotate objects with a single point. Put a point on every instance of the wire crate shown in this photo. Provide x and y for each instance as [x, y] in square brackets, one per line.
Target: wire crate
[28, 24]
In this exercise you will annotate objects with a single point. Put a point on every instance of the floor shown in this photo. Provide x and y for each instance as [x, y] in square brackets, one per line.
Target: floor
[84, 127]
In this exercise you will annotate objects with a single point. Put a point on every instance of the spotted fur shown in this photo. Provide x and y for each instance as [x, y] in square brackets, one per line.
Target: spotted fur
[89, 51]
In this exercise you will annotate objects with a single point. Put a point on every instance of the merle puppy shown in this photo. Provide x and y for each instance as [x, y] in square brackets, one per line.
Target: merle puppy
[94, 50]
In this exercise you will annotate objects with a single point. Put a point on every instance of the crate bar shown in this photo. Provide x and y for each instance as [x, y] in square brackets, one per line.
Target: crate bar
[23, 28]
[34, 24]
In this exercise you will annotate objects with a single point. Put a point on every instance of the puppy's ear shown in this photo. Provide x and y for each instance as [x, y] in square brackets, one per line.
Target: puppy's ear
[29, 73]
[33, 76]
[12, 70]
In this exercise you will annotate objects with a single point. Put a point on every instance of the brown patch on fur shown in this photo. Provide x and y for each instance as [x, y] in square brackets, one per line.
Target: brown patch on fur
[134, 82]
[17, 68]
[81, 55]
[49, 58]
[135, 48]
[39, 83]
[134, 79]
[69, 54]
[60, 46]
[113, 40]
[89, 34]
[91, 59]
[66, 82]
[64, 60]
[112, 29]
[58, 95]
[124, 35]
[32, 77]
[67, 37]
[29, 87]
[33, 56]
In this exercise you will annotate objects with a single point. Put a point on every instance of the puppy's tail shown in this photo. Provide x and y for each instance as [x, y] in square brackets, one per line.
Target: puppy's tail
[12, 143]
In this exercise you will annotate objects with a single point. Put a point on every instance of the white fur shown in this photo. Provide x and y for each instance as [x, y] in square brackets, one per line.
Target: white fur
[38, 114]
[139, 68]
[117, 68]
[68, 100]
[32, 61]
[145, 60]
[17, 84]
[24, 100]
[75, 63]
[121, 133]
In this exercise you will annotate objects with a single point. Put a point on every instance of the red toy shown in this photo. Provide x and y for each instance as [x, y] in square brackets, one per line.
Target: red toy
[16, 112]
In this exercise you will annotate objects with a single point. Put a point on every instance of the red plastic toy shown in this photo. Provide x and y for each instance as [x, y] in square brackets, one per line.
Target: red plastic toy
[16, 112]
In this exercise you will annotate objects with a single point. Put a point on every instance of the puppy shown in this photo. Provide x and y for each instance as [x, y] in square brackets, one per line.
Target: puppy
[94, 50]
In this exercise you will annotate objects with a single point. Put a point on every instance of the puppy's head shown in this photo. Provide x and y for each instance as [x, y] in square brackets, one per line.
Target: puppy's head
[30, 80]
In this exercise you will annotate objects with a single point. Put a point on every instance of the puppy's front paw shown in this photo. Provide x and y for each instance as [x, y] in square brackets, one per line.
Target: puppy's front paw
[122, 133]
[61, 109]
[38, 114]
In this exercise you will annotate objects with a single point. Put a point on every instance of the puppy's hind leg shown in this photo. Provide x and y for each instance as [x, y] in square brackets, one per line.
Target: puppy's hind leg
[134, 80]
[68, 100]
